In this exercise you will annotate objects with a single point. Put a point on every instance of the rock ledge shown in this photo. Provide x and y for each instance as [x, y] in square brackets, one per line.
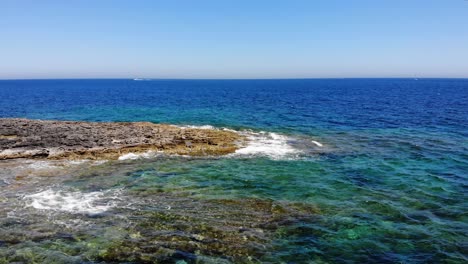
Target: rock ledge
[26, 138]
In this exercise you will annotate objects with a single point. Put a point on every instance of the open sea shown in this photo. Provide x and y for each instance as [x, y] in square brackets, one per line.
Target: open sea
[336, 171]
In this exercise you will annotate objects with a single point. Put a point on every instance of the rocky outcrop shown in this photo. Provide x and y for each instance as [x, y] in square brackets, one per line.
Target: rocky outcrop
[25, 138]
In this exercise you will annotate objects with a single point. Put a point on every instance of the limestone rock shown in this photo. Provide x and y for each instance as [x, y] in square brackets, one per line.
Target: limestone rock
[26, 138]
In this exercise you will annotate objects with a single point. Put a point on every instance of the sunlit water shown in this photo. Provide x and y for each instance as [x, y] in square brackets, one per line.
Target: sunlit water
[336, 171]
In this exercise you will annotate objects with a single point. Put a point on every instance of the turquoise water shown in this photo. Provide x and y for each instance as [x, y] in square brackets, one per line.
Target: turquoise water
[338, 171]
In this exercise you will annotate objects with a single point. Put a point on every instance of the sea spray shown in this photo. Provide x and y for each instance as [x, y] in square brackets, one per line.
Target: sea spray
[73, 201]
[272, 145]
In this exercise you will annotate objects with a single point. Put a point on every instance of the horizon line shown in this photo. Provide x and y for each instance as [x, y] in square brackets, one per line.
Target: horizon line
[279, 78]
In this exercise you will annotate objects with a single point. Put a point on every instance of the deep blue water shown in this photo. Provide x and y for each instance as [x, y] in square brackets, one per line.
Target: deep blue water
[391, 186]
[297, 106]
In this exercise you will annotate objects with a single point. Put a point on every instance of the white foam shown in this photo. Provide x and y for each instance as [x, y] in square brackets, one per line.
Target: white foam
[230, 130]
[134, 156]
[198, 127]
[73, 202]
[272, 145]
[317, 143]
[208, 127]
[41, 165]
[130, 156]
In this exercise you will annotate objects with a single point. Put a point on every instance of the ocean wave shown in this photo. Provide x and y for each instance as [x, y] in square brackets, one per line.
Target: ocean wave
[272, 145]
[317, 143]
[144, 155]
[267, 144]
[198, 127]
[73, 201]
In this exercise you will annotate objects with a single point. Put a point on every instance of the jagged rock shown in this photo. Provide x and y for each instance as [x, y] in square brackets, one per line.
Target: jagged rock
[26, 138]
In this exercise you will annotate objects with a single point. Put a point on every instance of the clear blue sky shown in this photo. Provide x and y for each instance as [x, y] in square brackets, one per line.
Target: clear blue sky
[233, 39]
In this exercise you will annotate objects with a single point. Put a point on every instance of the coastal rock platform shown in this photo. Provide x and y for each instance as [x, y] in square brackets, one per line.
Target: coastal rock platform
[26, 138]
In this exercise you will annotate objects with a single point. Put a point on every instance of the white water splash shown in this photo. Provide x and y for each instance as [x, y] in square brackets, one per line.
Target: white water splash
[73, 202]
[55, 164]
[267, 144]
[130, 156]
[41, 165]
[271, 145]
[317, 143]
[144, 155]
[198, 127]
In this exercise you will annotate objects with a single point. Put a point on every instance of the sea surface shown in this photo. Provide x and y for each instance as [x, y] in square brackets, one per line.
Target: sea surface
[336, 171]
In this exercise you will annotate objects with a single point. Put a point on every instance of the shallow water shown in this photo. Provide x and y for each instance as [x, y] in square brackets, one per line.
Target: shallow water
[337, 171]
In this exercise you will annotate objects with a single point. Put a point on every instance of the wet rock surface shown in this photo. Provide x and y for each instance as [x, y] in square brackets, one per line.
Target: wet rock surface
[25, 138]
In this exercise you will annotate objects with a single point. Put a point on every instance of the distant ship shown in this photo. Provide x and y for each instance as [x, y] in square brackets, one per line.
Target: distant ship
[141, 79]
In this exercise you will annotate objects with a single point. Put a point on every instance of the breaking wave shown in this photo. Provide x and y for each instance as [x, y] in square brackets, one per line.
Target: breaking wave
[73, 201]
[197, 127]
[272, 145]
[144, 155]
[264, 144]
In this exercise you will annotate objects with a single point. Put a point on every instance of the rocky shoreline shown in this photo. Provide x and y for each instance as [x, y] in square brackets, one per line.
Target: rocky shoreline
[27, 138]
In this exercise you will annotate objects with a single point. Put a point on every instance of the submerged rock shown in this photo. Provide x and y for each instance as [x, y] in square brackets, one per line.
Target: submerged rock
[155, 228]
[238, 231]
[25, 138]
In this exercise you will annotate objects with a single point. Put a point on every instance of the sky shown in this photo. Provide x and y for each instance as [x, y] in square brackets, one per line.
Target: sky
[233, 39]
